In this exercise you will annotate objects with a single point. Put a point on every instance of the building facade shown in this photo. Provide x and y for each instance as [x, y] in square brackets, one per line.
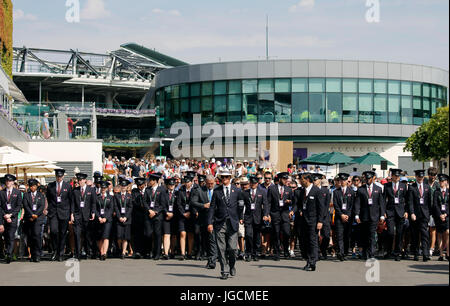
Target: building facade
[354, 107]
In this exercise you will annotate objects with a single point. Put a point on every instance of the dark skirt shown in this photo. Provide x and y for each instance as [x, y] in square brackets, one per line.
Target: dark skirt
[170, 227]
[186, 225]
[103, 230]
[123, 231]
[441, 227]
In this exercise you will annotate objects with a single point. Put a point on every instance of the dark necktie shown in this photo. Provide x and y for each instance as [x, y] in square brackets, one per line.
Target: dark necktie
[395, 188]
[227, 195]
[32, 197]
[82, 192]
[443, 194]
[370, 192]
[253, 195]
[170, 196]
[9, 195]
[58, 189]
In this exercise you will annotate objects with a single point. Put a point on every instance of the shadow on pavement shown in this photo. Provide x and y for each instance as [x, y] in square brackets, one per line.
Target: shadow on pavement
[283, 267]
[180, 265]
[432, 269]
[192, 275]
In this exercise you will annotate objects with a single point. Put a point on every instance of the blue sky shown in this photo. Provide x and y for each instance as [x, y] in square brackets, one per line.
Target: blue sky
[199, 31]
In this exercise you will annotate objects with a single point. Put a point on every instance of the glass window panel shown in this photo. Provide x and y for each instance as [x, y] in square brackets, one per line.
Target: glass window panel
[300, 85]
[334, 85]
[365, 108]
[250, 107]
[220, 88]
[366, 86]
[195, 89]
[168, 92]
[283, 107]
[440, 93]
[407, 110]
[234, 87]
[184, 91]
[426, 90]
[417, 111]
[220, 109]
[185, 105]
[406, 88]
[394, 109]
[394, 87]
[175, 92]
[434, 92]
[334, 107]
[350, 108]
[169, 114]
[265, 86]
[195, 105]
[207, 89]
[380, 109]
[186, 115]
[207, 109]
[380, 86]
[266, 108]
[434, 106]
[300, 110]
[250, 86]
[316, 85]
[426, 108]
[317, 107]
[283, 85]
[234, 108]
[350, 85]
[417, 89]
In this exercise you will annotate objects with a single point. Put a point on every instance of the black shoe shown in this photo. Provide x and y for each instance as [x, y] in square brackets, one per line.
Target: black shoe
[287, 255]
[188, 257]
[276, 258]
[426, 258]
[54, 257]
[387, 256]
[198, 258]
[37, 260]
[340, 257]
[165, 257]
[8, 259]
[307, 267]
[171, 256]
[224, 276]
[255, 258]
[247, 259]
[441, 258]
[263, 256]
[182, 258]
[103, 257]
[122, 256]
[157, 257]
[59, 258]
[93, 256]
[416, 258]
[233, 271]
[137, 256]
[397, 258]
[323, 257]
[311, 268]
[211, 267]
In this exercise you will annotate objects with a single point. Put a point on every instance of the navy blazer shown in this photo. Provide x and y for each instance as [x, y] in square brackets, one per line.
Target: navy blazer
[393, 209]
[261, 208]
[440, 201]
[422, 211]
[273, 201]
[338, 200]
[219, 210]
[368, 212]
[15, 201]
[159, 199]
[61, 210]
[127, 204]
[107, 204]
[90, 199]
[28, 203]
[311, 206]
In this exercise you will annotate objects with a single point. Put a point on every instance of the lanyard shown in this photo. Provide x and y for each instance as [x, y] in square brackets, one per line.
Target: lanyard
[104, 203]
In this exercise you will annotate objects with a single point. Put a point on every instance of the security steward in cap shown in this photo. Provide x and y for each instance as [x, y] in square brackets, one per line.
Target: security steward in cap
[170, 222]
[441, 210]
[138, 216]
[369, 211]
[83, 207]
[420, 201]
[155, 204]
[59, 197]
[124, 211]
[395, 195]
[279, 199]
[256, 208]
[343, 201]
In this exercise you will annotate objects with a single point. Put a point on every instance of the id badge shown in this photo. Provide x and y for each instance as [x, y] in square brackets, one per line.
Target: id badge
[58, 199]
[34, 207]
[281, 203]
[170, 208]
[344, 206]
[304, 206]
[186, 207]
[252, 206]
[8, 206]
[370, 202]
[397, 200]
[102, 211]
[422, 201]
[152, 204]
[122, 210]
[443, 207]
[82, 204]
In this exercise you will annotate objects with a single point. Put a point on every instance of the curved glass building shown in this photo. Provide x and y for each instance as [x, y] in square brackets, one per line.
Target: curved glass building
[315, 101]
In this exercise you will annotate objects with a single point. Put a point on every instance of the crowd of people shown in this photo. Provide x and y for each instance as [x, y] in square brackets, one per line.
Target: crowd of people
[223, 211]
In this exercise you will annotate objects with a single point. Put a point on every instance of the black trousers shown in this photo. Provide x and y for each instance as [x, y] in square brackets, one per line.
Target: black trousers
[420, 229]
[34, 240]
[58, 233]
[137, 234]
[343, 231]
[368, 235]
[325, 233]
[310, 240]
[9, 234]
[84, 232]
[209, 245]
[153, 229]
[252, 238]
[299, 233]
[395, 226]
[280, 226]
[198, 243]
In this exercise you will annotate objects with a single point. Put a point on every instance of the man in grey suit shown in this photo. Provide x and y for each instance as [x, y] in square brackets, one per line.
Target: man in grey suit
[223, 217]
[201, 200]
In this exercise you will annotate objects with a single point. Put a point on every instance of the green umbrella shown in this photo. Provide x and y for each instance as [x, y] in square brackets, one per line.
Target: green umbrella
[314, 159]
[371, 159]
[335, 158]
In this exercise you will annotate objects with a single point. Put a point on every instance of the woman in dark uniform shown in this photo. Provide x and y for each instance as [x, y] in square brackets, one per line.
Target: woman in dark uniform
[186, 217]
[123, 209]
[104, 213]
[441, 209]
[170, 222]
[34, 205]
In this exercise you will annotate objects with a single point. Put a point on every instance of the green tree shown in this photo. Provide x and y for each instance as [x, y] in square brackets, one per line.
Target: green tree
[430, 141]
